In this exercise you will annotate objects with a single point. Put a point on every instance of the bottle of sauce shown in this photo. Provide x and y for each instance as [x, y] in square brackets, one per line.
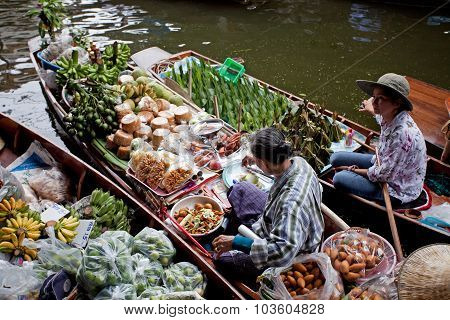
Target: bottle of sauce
[349, 137]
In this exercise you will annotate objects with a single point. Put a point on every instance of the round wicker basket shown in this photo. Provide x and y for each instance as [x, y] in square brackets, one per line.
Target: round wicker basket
[425, 275]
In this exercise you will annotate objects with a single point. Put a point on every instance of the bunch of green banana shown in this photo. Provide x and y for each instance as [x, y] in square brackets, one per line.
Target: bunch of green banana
[65, 229]
[117, 55]
[71, 69]
[16, 247]
[18, 225]
[135, 91]
[109, 213]
[102, 74]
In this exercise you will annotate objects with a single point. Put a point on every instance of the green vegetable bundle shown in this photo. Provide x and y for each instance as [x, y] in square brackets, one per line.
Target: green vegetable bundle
[261, 107]
[311, 133]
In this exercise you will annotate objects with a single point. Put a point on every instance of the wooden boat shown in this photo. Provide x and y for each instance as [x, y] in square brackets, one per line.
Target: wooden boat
[333, 223]
[159, 63]
[18, 138]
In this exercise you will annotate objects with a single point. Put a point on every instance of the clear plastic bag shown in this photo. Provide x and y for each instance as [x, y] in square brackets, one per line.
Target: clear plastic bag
[331, 288]
[55, 255]
[154, 245]
[83, 56]
[146, 273]
[153, 293]
[18, 283]
[122, 236]
[184, 276]
[106, 262]
[51, 184]
[57, 47]
[380, 288]
[176, 176]
[356, 254]
[119, 292]
[9, 185]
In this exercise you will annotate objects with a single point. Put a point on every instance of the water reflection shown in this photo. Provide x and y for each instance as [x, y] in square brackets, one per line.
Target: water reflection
[365, 19]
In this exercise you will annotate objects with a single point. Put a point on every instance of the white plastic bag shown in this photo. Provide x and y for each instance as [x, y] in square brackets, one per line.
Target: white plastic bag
[146, 273]
[18, 283]
[273, 288]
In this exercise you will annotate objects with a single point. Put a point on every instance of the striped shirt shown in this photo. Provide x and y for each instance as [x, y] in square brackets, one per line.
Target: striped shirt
[292, 222]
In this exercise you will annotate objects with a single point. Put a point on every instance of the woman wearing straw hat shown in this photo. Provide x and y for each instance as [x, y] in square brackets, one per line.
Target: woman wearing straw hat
[402, 149]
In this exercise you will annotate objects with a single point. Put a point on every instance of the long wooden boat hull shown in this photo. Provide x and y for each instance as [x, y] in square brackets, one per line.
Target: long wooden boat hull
[434, 165]
[85, 178]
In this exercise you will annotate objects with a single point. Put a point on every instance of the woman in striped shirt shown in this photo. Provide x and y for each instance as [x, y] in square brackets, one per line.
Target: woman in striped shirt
[291, 221]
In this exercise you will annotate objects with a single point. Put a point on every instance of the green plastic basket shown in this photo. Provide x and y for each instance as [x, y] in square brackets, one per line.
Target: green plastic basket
[231, 70]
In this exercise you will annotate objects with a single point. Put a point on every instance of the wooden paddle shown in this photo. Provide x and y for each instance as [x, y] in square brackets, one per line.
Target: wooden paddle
[387, 200]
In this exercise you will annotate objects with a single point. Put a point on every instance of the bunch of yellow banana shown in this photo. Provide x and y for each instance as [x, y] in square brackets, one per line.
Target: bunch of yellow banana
[16, 247]
[11, 208]
[19, 225]
[65, 229]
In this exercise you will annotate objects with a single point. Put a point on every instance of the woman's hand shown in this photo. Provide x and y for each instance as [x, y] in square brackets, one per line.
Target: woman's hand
[248, 161]
[367, 106]
[348, 168]
[222, 244]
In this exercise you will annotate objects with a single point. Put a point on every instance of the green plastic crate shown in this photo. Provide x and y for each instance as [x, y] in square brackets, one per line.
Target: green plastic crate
[231, 70]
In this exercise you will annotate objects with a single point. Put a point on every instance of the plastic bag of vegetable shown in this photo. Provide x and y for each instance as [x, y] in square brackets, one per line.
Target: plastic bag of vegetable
[9, 185]
[18, 283]
[155, 245]
[310, 277]
[184, 276]
[153, 293]
[380, 288]
[119, 292]
[106, 262]
[146, 273]
[123, 236]
[55, 255]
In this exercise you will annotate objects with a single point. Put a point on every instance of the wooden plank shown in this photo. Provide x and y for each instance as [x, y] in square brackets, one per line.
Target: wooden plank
[429, 112]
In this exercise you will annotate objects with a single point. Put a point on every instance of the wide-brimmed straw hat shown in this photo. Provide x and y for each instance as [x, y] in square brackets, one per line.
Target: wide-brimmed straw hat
[389, 81]
[425, 275]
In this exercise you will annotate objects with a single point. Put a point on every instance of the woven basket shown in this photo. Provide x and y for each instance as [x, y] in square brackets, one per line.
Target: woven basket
[425, 275]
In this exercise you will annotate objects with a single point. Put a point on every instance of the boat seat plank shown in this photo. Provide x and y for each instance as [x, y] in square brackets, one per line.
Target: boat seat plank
[430, 112]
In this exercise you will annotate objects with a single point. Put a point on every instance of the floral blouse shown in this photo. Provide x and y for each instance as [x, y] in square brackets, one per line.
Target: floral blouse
[403, 158]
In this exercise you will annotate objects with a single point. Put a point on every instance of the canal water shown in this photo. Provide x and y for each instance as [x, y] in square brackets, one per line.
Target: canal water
[313, 47]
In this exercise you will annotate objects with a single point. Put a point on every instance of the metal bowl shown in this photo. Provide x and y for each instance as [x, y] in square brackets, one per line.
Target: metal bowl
[207, 128]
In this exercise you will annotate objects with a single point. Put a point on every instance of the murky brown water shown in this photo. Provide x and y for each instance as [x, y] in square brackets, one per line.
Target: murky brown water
[303, 46]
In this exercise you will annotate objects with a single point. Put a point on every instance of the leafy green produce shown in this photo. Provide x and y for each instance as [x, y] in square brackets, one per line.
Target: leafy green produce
[106, 262]
[261, 107]
[51, 14]
[154, 245]
[311, 133]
